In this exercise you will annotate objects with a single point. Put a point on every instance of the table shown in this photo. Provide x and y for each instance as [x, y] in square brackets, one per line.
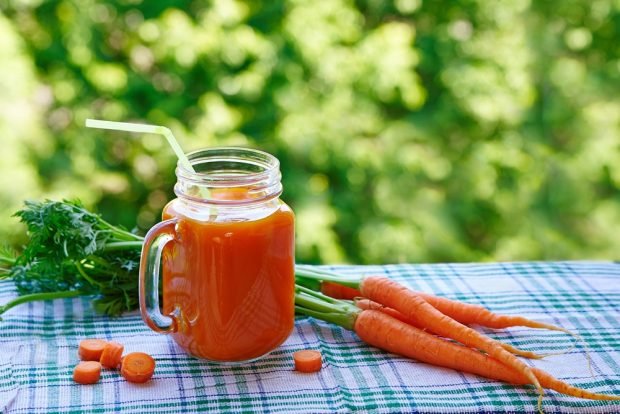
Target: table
[39, 344]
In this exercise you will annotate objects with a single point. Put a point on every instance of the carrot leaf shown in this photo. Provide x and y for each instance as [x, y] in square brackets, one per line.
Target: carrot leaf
[73, 249]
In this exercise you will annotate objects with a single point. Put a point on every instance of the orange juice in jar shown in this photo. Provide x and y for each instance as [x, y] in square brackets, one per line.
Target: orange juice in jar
[226, 254]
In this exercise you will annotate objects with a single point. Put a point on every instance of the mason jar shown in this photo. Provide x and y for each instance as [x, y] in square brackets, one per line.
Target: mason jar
[224, 255]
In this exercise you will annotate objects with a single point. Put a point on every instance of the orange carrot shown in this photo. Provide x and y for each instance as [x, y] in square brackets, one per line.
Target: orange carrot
[308, 360]
[338, 291]
[467, 314]
[91, 349]
[369, 304]
[463, 312]
[471, 314]
[416, 309]
[137, 367]
[87, 372]
[383, 331]
[111, 355]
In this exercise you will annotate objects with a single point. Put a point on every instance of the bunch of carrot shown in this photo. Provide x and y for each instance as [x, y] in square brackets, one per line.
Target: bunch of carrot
[135, 367]
[428, 328]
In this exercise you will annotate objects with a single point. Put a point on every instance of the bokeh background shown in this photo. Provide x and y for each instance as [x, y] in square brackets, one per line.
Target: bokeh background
[408, 130]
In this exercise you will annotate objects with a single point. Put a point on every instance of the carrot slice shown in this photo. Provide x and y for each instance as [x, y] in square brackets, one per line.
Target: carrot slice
[111, 355]
[308, 360]
[87, 372]
[91, 349]
[137, 367]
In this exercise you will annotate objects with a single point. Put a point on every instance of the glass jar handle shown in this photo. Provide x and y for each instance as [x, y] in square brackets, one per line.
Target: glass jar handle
[150, 264]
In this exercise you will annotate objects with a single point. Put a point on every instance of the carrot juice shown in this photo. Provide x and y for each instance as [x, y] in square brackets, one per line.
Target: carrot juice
[227, 261]
[231, 285]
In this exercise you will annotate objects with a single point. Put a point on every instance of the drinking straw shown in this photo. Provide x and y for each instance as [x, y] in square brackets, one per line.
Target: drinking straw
[146, 129]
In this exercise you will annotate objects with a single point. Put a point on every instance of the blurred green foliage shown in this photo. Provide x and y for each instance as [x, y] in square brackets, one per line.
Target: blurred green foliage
[408, 130]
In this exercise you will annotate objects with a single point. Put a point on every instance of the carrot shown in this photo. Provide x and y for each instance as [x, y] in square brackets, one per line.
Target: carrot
[308, 360]
[415, 308]
[383, 331]
[463, 312]
[111, 355]
[137, 367]
[87, 372]
[368, 304]
[91, 349]
[468, 314]
[338, 291]
[472, 314]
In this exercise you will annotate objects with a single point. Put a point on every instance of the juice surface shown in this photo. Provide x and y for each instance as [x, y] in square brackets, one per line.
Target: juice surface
[230, 284]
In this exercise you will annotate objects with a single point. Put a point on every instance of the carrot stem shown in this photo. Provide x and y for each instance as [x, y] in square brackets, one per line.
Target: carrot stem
[313, 284]
[124, 245]
[7, 260]
[311, 303]
[318, 301]
[39, 296]
[323, 297]
[350, 281]
[345, 320]
[314, 304]
[82, 272]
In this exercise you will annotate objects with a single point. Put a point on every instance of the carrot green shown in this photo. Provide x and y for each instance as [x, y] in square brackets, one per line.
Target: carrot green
[73, 252]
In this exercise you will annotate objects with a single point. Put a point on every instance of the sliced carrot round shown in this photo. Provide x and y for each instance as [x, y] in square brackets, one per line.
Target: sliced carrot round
[137, 367]
[87, 372]
[111, 355]
[91, 349]
[308, 360]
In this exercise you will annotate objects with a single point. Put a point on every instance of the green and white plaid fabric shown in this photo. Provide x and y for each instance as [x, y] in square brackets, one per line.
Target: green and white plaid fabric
[39, 350]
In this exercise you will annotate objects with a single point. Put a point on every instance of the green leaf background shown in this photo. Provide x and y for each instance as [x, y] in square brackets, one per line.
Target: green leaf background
[408, 130]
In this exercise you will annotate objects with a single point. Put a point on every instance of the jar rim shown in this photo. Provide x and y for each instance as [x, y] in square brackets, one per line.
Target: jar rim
[256, 171]
[268, 164]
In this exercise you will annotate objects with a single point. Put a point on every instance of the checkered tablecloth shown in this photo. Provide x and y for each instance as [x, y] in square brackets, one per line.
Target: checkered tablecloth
[38, 344]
